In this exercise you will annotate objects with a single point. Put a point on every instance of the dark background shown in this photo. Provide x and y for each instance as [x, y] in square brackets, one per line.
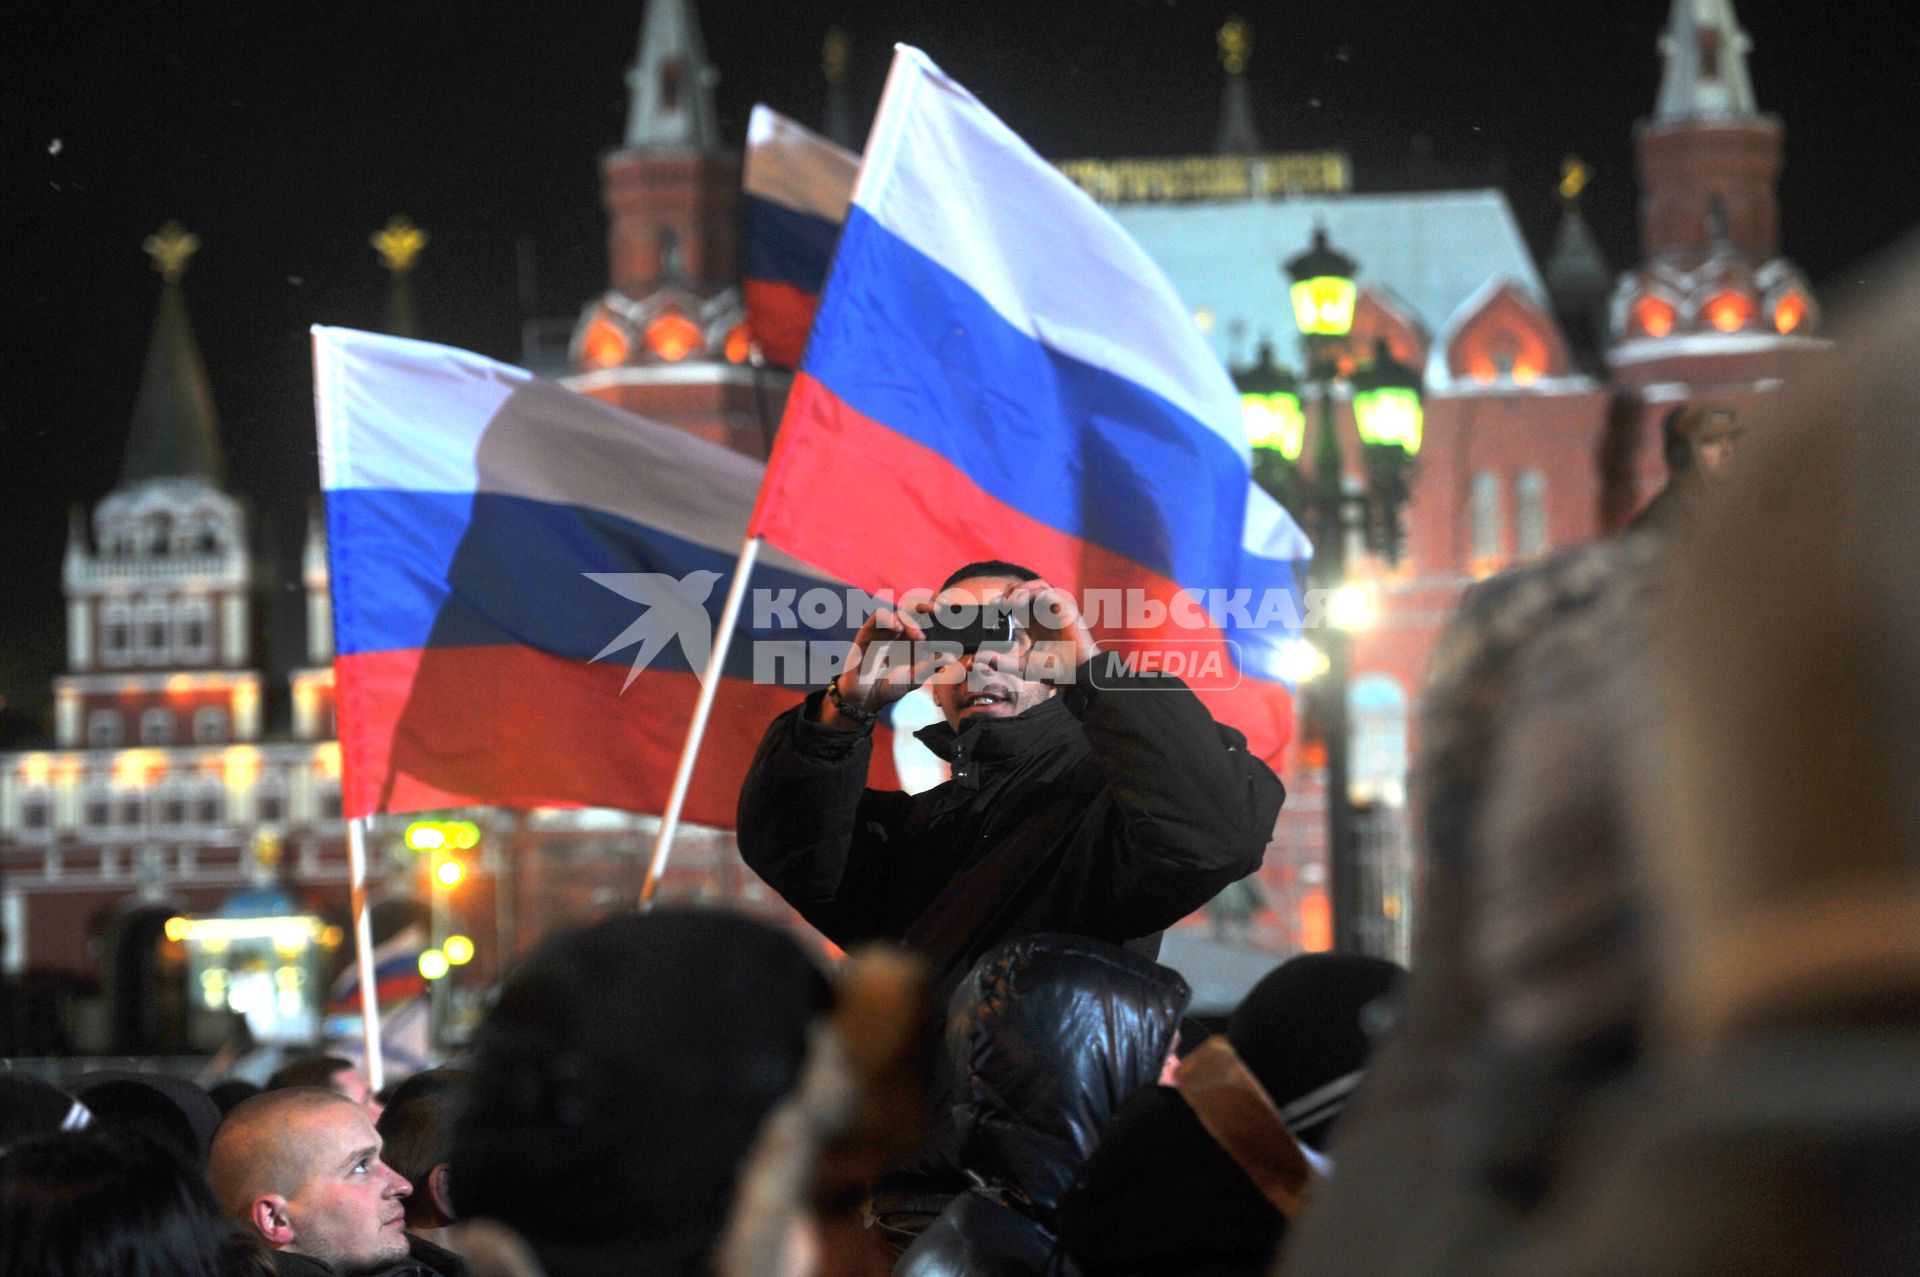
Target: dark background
[283, 134]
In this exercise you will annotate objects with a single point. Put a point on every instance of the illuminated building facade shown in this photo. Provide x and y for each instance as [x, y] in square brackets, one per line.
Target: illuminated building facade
[163, 789]
[1545, 385]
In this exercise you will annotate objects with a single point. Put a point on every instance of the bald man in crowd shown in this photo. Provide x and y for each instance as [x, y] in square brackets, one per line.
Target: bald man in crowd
[301, 1167]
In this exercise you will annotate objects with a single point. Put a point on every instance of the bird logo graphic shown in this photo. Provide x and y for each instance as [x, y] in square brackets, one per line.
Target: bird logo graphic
[675, 607]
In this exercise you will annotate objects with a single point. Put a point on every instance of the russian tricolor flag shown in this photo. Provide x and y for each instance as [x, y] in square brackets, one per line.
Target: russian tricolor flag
[998, 370]
[524, 582]
[796, 187]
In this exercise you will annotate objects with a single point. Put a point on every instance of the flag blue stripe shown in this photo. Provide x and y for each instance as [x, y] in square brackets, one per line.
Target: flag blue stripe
[785, 245]
[437, 569]
[913, 347]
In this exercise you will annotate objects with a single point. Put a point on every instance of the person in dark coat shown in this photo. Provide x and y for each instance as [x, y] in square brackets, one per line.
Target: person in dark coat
[1083, 799]
[1046, 1038]
[300, 1169]
[114, 1203]
[621, 1078]
[1202, 1176]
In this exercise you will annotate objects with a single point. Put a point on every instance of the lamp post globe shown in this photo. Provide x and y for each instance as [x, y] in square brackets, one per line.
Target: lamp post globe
[1322, 290]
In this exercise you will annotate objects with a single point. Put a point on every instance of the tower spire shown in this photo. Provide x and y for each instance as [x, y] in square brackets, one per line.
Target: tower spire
[174, 433]
[671, 84]
[1238, 136]
[837, 123]
[1705, 53]
[1576, 273]
[399, 242]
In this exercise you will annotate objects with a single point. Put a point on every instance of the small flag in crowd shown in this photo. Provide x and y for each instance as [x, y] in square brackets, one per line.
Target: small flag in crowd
[525, 582]
[998, 370]
[796, 187]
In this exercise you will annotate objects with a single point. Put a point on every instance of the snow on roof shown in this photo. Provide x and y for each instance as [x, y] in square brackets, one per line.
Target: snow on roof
[1433, 250]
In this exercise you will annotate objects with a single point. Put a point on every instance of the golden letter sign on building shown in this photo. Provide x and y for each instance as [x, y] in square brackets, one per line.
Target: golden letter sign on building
[1212, 177]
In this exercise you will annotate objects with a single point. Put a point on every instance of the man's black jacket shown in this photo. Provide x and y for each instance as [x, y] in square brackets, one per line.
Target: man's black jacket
[424, 1259]
[1109, 811]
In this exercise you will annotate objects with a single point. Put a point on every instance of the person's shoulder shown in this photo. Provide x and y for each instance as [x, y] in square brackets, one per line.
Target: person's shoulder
[435, 1258]
[287, 1263]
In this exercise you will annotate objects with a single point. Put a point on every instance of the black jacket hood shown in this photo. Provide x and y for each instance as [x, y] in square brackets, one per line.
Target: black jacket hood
[1047, 1035]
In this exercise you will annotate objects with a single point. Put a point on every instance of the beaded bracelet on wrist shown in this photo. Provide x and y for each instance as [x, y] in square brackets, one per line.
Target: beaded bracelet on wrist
[860, 717]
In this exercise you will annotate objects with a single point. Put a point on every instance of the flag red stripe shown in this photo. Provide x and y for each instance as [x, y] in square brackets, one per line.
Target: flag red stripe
[919, 516]
[511, 726]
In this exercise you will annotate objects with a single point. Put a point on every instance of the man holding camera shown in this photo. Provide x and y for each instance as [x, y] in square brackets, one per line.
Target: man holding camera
[1083, 798]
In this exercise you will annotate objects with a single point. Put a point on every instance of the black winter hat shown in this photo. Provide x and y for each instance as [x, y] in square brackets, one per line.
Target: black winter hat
[1306, 1030]
[619, 1081]
[170, 1109]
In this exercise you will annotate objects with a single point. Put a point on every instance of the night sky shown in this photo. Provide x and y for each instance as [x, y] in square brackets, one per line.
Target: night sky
[283, 134]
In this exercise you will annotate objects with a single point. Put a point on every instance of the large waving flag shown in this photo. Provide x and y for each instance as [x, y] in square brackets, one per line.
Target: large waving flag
[796, 188]
[524, 587]
[998, 370]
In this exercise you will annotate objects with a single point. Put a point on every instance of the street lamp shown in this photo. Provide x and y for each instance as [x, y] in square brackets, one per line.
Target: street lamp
[1275, 425]
[1387, 413]
[1323, 290]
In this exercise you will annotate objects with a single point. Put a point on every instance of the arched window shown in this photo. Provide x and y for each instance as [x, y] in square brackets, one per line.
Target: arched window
[209, 725]
[156, 726]
[209, 804]
[1377, 709]
[193, 631]
[36, 810]
[150, 635]
[1486, 521]
[116, 634]
[103, 729]
[269, 799]
[673, 263]
[1530, 514]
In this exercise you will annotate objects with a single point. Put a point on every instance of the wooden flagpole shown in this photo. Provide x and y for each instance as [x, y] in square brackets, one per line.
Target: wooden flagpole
[709, 686]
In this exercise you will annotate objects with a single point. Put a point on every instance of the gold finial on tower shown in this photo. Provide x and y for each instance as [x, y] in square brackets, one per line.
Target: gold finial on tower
[170, 247]
[398, 243]
[833, 56]
[1574, 176]
[1235, 40]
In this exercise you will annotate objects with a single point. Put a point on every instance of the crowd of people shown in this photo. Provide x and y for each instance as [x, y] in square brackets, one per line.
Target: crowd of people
[681, 1091]
[1660, 1019]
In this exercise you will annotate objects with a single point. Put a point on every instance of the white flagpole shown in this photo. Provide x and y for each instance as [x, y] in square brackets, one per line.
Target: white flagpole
[363, 949]
[709, 685]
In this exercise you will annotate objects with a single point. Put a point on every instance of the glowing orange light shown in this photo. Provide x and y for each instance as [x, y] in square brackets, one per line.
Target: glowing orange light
[604, 345]
[449, 872]
[1653, 316]
[1525, 374]
[739, 344]
[1316, 922]
[673, 337]
[1729, 312]
[1789, 313]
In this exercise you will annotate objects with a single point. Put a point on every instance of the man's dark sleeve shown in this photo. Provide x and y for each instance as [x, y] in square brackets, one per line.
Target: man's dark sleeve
[1194, 809]
[812, 829]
